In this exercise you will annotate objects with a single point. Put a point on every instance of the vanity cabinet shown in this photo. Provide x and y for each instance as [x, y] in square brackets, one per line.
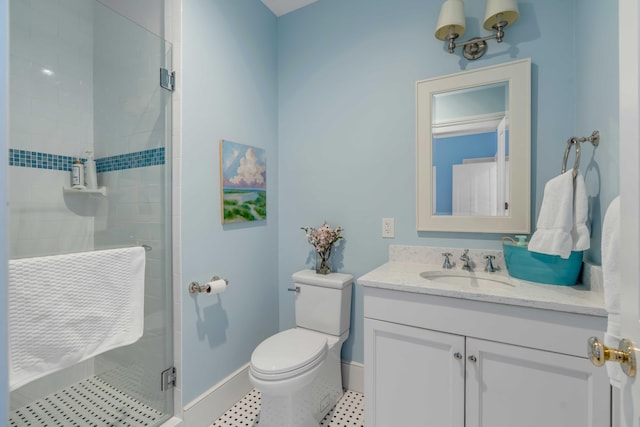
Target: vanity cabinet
[412, 377]
[436, 361]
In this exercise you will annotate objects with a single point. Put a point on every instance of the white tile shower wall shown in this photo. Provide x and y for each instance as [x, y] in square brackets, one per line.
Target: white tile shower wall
[51, 68]
[50, 110]
[41, 220]
[130, 105]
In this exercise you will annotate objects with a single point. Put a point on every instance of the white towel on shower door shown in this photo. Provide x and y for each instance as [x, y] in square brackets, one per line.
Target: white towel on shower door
[64, 309]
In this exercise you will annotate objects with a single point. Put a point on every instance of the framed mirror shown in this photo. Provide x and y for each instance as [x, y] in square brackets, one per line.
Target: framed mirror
[474, 150]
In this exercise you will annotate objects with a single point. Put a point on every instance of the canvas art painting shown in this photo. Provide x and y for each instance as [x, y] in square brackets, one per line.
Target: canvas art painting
[243, 179]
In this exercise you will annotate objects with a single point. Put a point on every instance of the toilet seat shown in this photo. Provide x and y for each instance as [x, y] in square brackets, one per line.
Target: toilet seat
[288, 354]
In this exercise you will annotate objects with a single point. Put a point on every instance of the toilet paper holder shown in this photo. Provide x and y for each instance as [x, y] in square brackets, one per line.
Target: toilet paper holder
[195, 287]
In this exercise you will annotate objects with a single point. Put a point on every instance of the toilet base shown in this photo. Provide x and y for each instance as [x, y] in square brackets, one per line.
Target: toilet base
[305, 406]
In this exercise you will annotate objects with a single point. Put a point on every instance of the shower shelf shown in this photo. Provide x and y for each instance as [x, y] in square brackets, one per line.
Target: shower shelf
[98, 191]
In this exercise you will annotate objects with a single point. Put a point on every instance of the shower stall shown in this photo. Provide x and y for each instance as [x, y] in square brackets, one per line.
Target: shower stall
[85, 80]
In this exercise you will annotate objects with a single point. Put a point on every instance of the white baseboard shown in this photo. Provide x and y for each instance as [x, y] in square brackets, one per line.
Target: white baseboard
[353, 376]
[206, 408]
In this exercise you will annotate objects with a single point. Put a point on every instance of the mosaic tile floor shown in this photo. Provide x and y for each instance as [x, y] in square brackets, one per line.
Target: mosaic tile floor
[91, 402]
[349, 412]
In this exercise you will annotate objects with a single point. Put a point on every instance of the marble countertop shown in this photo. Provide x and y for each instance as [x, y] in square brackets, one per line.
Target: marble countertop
[405, 276]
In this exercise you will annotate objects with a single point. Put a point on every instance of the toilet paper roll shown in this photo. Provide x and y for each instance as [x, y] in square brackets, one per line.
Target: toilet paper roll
[216, 286]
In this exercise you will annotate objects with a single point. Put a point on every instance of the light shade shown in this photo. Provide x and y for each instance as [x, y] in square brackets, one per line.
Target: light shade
[508, 9]
[451, 14]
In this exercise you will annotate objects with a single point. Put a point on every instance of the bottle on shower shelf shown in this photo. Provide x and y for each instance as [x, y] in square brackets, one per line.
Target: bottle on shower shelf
[90, 173]
[77, 175]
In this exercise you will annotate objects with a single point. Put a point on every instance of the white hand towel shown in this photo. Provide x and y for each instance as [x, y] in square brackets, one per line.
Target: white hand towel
[611, 283]
[64, 309]
[555, 221]
[580, 232]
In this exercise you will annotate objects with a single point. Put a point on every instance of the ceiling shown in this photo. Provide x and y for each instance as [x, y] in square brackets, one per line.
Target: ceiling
[282, 7]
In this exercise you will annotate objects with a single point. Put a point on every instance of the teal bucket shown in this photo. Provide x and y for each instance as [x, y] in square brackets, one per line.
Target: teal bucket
[541, 268]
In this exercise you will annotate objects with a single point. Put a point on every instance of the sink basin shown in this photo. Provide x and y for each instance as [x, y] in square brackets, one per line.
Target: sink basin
[468, 279]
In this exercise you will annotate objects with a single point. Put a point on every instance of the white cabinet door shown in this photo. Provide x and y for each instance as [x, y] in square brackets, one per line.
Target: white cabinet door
[413, 376]
[515, 386]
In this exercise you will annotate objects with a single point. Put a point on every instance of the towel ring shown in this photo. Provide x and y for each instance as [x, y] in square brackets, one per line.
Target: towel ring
[576, 164]
[593, 139]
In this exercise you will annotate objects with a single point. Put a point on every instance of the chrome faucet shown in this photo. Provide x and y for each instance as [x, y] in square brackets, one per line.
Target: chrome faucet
[490, 267]
[465, 257]
[447, 262]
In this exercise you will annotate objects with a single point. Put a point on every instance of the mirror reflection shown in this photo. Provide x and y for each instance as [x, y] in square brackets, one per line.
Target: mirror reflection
[470, 151]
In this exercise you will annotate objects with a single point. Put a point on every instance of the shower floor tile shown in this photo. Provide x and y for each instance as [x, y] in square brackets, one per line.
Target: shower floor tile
[349, 412]
[90, 402]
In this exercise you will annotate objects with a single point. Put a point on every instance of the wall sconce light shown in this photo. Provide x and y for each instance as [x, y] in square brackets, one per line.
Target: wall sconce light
[498, 15]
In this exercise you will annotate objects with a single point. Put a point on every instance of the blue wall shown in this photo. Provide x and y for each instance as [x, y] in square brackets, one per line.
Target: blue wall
[229, 79]
[329, 92]
[597, 107]
[346, 85]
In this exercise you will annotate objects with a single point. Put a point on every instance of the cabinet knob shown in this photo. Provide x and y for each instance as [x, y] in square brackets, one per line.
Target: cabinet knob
[457, 355]
[472, 359]
[625, 355]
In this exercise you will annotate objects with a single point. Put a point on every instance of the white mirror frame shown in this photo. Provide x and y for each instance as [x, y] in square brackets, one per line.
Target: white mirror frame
[518, 76]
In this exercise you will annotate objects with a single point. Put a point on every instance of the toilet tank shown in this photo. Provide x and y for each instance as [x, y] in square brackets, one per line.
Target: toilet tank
[323, 302]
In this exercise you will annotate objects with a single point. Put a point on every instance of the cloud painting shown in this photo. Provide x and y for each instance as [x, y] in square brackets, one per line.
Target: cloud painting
[243, 171]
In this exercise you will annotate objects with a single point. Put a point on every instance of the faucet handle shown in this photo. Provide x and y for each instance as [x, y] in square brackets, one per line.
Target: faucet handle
[490, 267]
[468, 264]
[447, 262]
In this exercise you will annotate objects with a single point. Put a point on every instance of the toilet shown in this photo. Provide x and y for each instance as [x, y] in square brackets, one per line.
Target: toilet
[298, 371]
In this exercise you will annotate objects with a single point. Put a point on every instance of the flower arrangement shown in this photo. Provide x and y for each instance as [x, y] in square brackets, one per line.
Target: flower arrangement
[322, 239]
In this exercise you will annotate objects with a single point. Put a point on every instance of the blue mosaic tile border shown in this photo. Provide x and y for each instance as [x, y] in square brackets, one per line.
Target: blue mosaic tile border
[140, 159]
[38, 160]
[35, 159]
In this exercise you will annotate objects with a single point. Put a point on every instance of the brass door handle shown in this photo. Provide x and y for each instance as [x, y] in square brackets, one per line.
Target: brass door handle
[625, 355]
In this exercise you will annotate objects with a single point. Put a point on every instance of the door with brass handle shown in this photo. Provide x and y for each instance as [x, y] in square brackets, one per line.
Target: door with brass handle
[625, 355]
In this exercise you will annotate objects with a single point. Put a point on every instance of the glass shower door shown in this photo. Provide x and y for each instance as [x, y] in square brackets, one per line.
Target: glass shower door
[86, 79]
[132, 125]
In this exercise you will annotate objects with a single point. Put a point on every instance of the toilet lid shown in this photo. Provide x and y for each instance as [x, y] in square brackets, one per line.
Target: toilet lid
[287, 351]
